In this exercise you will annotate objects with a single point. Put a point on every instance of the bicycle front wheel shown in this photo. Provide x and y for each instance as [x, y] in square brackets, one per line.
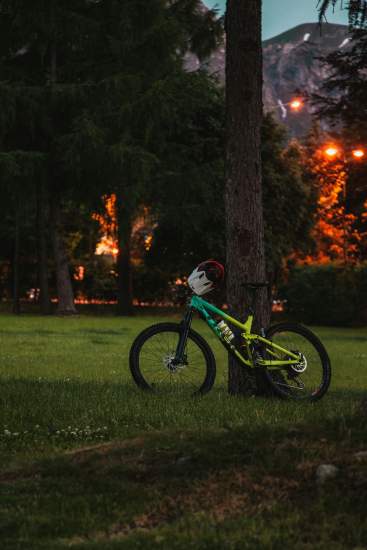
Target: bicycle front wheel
[153, 367]
[310, 377]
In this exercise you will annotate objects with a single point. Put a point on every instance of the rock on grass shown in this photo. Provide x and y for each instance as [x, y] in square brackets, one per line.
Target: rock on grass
[325, 472]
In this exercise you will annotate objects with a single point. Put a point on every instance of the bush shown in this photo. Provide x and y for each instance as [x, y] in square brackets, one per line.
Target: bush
[327, 294]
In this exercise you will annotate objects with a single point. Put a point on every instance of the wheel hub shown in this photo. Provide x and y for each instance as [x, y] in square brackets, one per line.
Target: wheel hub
[171, 364]
[301, 366]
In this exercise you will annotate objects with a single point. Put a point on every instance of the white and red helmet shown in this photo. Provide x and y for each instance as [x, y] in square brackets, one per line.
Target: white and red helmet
[205, 277]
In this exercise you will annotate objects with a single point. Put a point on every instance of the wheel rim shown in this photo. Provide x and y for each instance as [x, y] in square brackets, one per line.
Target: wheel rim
[304, 380]
[159, 371]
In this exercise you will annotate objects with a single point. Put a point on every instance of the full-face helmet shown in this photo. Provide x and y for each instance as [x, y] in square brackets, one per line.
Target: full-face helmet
[205, 277]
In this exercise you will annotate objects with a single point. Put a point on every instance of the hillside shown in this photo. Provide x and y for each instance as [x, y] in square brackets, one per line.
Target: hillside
[290, 63]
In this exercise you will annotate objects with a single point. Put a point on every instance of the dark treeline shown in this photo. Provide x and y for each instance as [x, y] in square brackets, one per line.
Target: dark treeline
[90, 101]
[96, 101]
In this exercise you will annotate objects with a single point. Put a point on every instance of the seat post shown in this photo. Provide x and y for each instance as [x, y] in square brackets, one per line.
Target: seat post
[252, 297]
[252, 289]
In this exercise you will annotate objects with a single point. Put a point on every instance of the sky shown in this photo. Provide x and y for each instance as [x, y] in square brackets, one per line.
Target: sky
[281, 15]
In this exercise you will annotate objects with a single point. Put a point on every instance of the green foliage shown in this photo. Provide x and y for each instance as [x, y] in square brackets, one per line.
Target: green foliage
[189, 195]
[328, 294]
[288, 197]
[343, 96]
[87, 85]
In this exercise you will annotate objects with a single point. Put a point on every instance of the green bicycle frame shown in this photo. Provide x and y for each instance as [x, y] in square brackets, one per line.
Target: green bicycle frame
[204, 308]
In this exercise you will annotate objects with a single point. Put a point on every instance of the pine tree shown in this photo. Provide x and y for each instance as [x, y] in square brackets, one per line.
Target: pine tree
[357, 10]
[34, 68]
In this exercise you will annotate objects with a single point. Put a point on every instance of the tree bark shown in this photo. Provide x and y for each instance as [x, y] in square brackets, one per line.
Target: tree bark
[63, 280]
[125, 292]
[16, 293]
[44, 297]
[65, 292]
[243, 192]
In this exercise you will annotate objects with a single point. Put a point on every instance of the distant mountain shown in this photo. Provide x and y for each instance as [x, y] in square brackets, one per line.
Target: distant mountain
[290, 64]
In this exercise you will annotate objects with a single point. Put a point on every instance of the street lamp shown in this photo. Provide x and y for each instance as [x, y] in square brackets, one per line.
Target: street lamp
[358, 153]
[296, 104]
[331, 151]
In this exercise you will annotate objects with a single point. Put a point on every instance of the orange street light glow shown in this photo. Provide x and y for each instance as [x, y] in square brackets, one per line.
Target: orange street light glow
[296, 104]
[358, 153]
[331, 151]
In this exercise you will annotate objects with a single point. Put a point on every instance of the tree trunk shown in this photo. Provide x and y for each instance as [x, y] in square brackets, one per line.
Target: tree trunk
[16, 294]
[64, 288]
[44, 297]
[65, 292]
[125, 294]
[243, 193]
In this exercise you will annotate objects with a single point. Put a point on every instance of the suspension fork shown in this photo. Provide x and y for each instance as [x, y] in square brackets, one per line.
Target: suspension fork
[184, 332]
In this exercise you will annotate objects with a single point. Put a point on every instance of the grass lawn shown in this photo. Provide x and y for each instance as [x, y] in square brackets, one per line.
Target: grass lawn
[88, 461]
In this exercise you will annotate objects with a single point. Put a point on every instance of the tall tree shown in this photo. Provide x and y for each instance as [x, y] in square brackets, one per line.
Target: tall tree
[18, 176]
[243, 194]
[136, 102]
[42, 248]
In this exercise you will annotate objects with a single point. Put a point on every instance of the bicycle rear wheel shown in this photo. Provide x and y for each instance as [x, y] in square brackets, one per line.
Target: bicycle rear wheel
[310, 378]
[152, 363]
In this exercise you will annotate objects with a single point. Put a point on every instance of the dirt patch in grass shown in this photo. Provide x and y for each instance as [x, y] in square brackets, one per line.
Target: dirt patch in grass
[81, 454]
[100, 455]
[19, 475]
[221, 495]
[233, 491]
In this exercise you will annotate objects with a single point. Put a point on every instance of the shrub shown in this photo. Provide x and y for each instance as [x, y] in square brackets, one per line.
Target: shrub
[327, 294]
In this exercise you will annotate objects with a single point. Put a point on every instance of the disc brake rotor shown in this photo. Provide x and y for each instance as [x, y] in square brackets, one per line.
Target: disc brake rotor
[301, 366]
[171, 365]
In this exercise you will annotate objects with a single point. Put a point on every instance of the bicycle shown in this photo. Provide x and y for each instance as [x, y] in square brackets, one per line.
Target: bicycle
[172, 356]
